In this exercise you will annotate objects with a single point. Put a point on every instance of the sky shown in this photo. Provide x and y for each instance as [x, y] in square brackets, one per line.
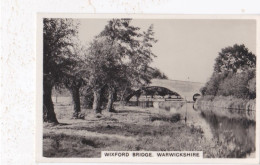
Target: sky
[186, 49]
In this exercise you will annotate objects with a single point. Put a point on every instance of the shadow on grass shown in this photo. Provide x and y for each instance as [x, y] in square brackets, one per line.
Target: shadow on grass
[131, 111]
[172, 118]
[62, 124]
[49, 125]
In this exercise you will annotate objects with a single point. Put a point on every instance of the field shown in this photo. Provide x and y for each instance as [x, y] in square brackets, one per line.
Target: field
[128, 129]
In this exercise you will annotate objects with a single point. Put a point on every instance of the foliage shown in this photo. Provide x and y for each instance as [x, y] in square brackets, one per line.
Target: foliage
[234, 74]
[234, 59]
[126, 53]
[101, 62]
[236, 84]
[119, 58]
[240, 85]
[59, 37]
[157, 74]
[211, 87]
[252, 87]
[78, 74]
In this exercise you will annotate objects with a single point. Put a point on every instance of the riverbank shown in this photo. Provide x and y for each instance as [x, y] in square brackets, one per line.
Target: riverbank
[211, 102]
[129, 129]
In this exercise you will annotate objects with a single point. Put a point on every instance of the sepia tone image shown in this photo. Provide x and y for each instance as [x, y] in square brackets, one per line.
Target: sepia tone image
[132, 84]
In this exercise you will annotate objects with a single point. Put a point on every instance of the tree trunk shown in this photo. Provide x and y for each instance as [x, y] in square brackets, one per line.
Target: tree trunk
[137, 100]
[111, 92]
[76, 101]
[96, 102]
[48, 108]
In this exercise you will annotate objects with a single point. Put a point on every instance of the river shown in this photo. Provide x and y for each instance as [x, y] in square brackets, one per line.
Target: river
[233, 128]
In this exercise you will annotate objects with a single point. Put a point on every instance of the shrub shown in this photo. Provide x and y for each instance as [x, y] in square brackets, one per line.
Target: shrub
[228, 102]
[234, 74]
[240, 85]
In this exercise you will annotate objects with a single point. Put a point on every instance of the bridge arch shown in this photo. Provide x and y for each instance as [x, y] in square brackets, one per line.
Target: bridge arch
[172, 90]
[139, 91]
[186, 89]
[196, 96]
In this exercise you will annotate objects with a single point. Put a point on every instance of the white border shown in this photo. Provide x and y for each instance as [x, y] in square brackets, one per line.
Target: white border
[39, 95]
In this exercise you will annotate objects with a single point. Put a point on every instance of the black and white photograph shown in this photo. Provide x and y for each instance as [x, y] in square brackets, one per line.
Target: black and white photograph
[146, 88]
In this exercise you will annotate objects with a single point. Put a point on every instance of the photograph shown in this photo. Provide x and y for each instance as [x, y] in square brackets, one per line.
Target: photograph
[146, 87]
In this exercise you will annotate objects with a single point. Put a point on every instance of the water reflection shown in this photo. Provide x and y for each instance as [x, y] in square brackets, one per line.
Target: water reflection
[237, 134]
[233, 130]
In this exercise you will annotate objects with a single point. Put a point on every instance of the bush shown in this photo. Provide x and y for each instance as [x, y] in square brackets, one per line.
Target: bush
[252, 87]
[227, 102]
[234, 74]
[240, 85]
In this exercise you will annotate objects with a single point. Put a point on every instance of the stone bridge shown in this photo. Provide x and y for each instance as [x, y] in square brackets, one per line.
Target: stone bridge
[185, 89]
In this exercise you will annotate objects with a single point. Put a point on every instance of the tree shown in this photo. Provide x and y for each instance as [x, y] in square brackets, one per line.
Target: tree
[234, 59]
[58, 59]
[123, 55]
[157, 74]
[136, 57]
[234, 73]
[77, 77]
[237, 84]
[73, 84]
[99, 62]
[139, 72]
[123, 38]
[212, 86]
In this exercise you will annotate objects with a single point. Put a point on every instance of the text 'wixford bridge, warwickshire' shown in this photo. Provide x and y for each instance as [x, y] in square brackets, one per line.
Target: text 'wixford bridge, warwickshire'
[186, 89]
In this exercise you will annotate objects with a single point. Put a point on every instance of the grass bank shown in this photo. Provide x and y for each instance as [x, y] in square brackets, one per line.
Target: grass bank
[211, 102]
[129, 129]
[169, 105]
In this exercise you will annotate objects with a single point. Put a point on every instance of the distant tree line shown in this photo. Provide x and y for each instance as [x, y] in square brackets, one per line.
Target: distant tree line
[234, 74]
[116, 61]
